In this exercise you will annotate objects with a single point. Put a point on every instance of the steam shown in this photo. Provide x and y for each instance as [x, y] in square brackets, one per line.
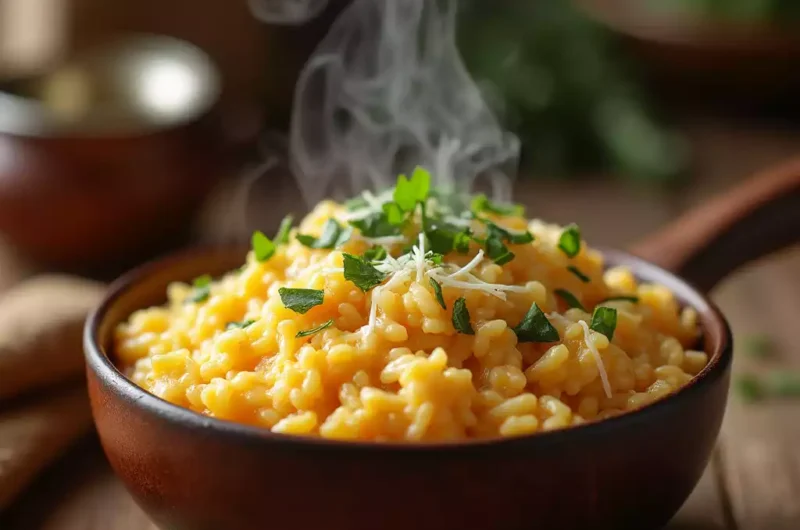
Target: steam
[386, 90]
[288, 12]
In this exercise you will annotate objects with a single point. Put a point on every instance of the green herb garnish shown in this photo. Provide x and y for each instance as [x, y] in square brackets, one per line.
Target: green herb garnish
[435, 258]
[376, 225]
[604, 320]
[376, 253]
[570, 240]
[481, 203]
[201, 289]
[461, 317]
[760, 346]
[301, 300]
[333, 235]
[361, 273]
[461, 242]
[521, 238]
[569, 298]
[535, 327]
[750, 388]
[282, 237]
[437, 290]
[307, 332]
[497, 251]
[782, 383]
[394, 215]
[263, 247]
[577, 272]
[495, 231]
[409, 192]
[621, 298]
[242, 324]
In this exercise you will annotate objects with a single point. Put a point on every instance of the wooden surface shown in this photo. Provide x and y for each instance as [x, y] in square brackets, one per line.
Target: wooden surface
[753, 483]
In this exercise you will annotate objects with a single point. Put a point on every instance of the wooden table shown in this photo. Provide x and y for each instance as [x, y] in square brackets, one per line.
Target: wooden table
[753, 481]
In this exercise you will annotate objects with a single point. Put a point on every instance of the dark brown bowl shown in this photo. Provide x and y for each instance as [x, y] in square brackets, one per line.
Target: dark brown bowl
[689, 56]
[192, 472]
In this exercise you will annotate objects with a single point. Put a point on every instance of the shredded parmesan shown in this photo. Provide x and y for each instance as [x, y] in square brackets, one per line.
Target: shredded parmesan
[419, 256]
[471, 265]
[599, 360]
[373, 311]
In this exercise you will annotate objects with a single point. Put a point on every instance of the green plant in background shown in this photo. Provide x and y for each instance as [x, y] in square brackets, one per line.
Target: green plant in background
[558, 81]
[747, 11]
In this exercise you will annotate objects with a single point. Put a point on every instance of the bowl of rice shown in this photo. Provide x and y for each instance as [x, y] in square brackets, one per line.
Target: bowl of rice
[415, 358]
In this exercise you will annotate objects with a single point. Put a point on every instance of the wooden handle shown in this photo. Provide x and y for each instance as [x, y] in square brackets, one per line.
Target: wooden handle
[754, 219]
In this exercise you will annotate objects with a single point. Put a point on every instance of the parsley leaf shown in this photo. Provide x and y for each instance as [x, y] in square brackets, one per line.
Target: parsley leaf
[202, 289]
[750, 388]
[242, 324]
[263, 247]
[394, 215]
[481, 203]
[282, 237]
[516, 238]
[535, 327]
[622, 298]
[461, 242]
[376, 225]
[570, 240]
[376, 253]
[408, 192]
[301, 300]
[434, 258]
[332, 236]
[759, 346]
[307, 332]
[437, 290]
[604, 320]
[577, 272]
[461, 317]
[361, 273]
[569, 298]
[497, 251]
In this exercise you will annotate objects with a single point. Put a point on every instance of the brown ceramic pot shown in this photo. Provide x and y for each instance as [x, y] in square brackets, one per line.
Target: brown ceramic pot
[191, 472]
[712, 60]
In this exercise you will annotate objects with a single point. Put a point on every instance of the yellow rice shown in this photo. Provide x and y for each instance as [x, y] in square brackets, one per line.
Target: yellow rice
[413, 377]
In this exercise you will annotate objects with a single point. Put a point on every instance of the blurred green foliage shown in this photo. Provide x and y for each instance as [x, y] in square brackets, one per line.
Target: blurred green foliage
[558, 81]
[749, 11]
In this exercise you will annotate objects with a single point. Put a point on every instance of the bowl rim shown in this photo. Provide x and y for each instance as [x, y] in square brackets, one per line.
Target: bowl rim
[99, 362]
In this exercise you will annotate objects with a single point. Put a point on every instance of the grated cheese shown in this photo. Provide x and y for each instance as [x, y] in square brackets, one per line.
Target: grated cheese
[597, 358]
[471, 265]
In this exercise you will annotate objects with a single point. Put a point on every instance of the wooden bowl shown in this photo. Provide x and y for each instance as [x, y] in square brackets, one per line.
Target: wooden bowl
[110, 154]
[702, 58]
[634, 471]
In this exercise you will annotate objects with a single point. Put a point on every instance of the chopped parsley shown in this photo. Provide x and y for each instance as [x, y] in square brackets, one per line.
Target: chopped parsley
[569, 298]
[437, 290]
[604, 320]
[409, 192]
[361, 273]
[535, 327]
[461, 242]
[394, 215]
[376, 225]
[622, 298]
[750, 388]
[333, 236]
[481, 203]
[301, 300]
[570, 240]
[577, 272]
[201, 289]
[312, 331]
[282, 237]
[461, 317]
[497, 250]
[376, 253]
[356, 203]
[242, 324]
[263, 247]
[760, 346]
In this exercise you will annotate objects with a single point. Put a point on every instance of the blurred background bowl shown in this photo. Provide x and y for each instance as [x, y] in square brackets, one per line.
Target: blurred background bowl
[716, 55]
[108, 153]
